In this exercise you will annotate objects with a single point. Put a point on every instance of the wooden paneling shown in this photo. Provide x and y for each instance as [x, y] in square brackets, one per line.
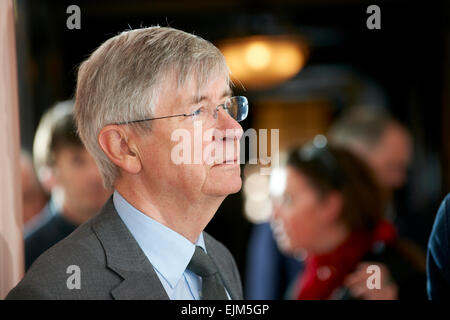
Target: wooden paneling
[298, 122]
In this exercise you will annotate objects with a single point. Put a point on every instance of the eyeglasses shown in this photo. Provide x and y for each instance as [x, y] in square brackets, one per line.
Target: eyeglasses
[236, 107]
[318, 155]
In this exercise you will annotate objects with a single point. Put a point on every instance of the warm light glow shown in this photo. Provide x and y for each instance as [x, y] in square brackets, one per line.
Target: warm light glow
[258, 211]
[263, 61]
[256, 187]
[277, 183]
[258, 206]
[258, 55]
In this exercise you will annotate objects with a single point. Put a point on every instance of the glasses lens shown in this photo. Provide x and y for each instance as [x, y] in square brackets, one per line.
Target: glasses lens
[237, 107]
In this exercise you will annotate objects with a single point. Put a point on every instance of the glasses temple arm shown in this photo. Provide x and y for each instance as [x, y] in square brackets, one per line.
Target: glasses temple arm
[150, 119]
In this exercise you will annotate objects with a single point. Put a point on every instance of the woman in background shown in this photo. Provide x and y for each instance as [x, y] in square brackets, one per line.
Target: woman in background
[332, 210]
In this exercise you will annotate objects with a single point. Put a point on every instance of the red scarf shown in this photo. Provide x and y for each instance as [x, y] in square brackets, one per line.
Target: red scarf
[325, 273]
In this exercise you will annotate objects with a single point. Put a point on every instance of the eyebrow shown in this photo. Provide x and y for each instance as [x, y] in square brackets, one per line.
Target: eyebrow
[198, 99]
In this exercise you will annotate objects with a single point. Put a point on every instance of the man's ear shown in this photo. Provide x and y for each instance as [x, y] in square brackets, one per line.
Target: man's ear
[332, 206]
[115, 144]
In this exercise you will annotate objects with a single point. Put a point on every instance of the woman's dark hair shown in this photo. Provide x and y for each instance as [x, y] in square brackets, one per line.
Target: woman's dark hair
[330, 168]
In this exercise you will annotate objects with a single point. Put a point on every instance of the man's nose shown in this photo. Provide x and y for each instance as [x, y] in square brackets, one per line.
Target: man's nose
[228, 125]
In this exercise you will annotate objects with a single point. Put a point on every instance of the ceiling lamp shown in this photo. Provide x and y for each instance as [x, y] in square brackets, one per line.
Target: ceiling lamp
[260, 62]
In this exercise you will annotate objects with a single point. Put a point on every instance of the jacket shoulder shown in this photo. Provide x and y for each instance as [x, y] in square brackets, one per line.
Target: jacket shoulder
[438, 254]
[54, 275]
[439, 241]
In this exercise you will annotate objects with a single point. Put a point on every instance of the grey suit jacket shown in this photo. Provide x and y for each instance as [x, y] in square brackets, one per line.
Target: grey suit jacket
[112, 265]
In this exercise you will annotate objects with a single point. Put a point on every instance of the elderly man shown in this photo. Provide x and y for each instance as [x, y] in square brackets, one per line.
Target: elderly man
[136, 94]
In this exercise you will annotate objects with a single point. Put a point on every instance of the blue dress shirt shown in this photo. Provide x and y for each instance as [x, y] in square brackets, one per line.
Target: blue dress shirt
[168, 251]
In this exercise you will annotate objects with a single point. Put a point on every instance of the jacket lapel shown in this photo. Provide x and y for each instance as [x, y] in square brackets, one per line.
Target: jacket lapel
[125, 257]
[220, 263]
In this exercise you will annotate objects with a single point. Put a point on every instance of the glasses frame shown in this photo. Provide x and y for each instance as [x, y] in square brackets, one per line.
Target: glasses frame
[186, 114]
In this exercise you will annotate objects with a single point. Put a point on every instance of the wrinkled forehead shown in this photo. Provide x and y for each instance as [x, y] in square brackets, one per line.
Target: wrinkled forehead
[196, 79]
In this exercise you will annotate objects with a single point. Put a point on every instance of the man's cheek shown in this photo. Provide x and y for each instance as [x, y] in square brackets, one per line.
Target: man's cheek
[209, 153]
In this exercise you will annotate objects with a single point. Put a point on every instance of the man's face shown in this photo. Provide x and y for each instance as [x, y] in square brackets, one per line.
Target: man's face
[76, 173]
[157, 148]
[390, 159]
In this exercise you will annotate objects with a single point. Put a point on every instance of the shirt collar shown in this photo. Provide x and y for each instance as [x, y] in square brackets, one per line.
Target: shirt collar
[168, 251]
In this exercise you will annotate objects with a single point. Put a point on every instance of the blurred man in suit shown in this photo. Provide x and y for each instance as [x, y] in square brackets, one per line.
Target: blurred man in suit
[386, 146]
[136, 94]
[380, 140]
[70, 174]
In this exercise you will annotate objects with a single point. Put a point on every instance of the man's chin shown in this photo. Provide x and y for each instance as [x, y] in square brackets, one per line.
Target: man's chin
[230, 189]
[224, 185]
[236, 188]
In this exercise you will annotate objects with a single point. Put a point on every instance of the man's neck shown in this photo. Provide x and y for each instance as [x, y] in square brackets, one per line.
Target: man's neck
[187, 217]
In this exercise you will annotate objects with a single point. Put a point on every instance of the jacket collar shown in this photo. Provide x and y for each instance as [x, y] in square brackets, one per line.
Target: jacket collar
[220, 262]
[125, 257]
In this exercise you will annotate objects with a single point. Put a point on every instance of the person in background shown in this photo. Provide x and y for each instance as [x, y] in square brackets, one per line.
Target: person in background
[438, 255]
[72, 177]
[381, 141]
[333, 210]
[34, 197]
[386, 146]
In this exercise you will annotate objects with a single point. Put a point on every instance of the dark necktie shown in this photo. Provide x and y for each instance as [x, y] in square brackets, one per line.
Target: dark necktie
[202, 265]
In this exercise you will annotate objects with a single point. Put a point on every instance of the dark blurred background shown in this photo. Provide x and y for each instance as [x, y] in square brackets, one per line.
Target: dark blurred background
[404, 68]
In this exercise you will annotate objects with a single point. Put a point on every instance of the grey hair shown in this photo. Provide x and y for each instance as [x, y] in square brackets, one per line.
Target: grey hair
[119, 82]
[361, 124]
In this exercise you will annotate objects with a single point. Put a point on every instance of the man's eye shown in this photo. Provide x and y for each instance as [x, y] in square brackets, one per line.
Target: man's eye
[199, 112]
